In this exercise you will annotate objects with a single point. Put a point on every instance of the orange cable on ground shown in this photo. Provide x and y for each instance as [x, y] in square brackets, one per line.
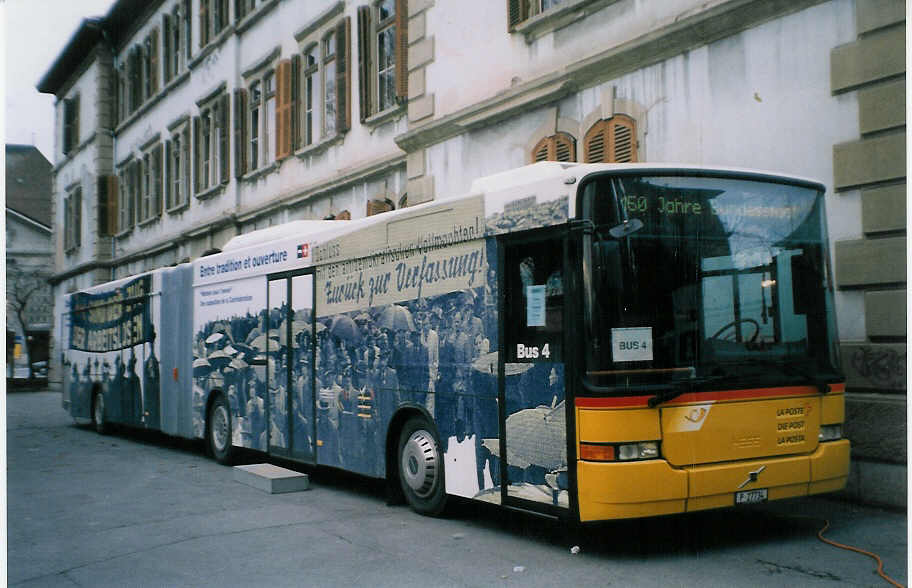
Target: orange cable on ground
[880, 572]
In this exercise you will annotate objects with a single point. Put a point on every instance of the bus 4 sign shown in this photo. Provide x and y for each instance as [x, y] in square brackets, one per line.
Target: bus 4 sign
[631, 344]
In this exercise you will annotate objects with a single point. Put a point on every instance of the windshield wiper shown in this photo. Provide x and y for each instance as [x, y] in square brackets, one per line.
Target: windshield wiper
[791, 370]
[682, 387]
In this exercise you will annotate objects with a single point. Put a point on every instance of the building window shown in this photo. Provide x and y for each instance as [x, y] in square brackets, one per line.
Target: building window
[309, 89]
[612, 140]
[213, 18]
[256, 96]
[312, 88]
[269, 118]
[211, 143]
[150, 65]
[557, 147]
[70, 124]
[174, 37]
[244, 7]
[382, 57]
[177, 156]
[150, 187]
[128, 177]
[72, 220]
[329, 84]
[521, 10]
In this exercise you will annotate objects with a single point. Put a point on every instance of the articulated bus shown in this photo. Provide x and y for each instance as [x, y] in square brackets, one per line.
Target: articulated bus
[588, 342]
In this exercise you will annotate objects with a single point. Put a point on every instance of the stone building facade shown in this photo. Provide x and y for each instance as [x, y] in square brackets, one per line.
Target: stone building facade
[183, 123]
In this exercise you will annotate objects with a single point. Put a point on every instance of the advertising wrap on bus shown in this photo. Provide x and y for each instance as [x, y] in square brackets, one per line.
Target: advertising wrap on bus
[585, 341]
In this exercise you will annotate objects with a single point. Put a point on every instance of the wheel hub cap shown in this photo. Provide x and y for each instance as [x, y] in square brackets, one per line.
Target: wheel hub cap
[419, 463]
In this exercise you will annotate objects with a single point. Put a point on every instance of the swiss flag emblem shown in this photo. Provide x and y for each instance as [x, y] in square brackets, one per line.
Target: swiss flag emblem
[303, 250]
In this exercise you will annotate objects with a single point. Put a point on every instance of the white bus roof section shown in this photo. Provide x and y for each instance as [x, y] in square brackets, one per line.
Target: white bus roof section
[291, 229]
[548, 187]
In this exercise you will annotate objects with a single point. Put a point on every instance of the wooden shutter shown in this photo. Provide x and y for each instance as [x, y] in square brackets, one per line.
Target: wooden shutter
[223, 15]
[611, 141]
[224, 140]
[197, 154]
[541, 152]
[514, 13]
[364, 62]
[564, 147]
[378, 205]
[107, 205]
[167, 48]
[157, 170]
[204, 22]
[186, 161]
[77, 216]
[623, 136]
[343, 75]
[188, 29]
[240, 132]
[168, 193]
[557, 147]
[402, 49]
[295, 108]
[153, 59]
[283, 109]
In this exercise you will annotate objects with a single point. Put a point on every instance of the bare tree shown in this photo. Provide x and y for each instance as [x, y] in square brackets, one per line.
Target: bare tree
[27, 296]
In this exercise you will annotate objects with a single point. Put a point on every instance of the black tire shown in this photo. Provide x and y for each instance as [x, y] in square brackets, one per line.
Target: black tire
[420, 466]
[218, 431]
[99, 420]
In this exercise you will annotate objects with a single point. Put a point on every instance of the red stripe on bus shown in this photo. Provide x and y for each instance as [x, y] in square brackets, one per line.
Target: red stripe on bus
[628, 401]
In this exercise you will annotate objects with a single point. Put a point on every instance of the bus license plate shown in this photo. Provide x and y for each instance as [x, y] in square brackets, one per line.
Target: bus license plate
[751, 496]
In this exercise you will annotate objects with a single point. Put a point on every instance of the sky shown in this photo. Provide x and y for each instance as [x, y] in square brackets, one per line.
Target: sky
[35, 31]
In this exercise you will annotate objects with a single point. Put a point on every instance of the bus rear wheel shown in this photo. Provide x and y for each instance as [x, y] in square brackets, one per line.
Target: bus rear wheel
[421, 467]
[98, 413]
[219, 431]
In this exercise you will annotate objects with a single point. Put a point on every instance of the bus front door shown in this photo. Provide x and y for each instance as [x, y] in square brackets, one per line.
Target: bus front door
[290, 372]
[534, 426]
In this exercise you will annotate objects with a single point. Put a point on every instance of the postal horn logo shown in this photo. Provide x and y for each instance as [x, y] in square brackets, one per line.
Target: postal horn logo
[696, 415]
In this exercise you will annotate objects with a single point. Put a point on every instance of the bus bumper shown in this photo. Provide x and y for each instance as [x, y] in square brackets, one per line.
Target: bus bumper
[649, 488]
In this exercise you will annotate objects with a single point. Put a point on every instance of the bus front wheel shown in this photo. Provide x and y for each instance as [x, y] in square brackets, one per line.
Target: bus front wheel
[219, 431]
[98, 413]
[421, 467]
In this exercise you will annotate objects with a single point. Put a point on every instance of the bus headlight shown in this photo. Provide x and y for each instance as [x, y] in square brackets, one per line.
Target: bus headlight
[642, 450]
[830, 433]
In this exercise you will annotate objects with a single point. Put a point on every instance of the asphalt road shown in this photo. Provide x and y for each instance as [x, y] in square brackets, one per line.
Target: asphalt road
[140, 509]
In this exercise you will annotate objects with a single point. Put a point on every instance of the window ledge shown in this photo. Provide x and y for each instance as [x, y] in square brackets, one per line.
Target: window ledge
[211, 192]
[261, 171]
[179, 207]
[71, 250]
[558, 17]
[320, 147]
[211, 46]
[250, 19]
[149, 221]
[124, 233]
[152, 101]
[394, 112]
[72, 153]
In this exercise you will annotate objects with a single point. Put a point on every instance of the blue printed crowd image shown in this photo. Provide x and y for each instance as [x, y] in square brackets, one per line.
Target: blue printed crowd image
[113, 343]
[369, 362]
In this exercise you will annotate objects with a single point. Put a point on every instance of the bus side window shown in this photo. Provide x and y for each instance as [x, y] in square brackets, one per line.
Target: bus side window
[534, 292]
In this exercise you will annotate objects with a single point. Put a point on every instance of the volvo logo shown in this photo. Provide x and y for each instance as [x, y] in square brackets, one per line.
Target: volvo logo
[752, 477]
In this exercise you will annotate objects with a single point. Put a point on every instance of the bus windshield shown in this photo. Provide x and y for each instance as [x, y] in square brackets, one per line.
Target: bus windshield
[695, 280]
